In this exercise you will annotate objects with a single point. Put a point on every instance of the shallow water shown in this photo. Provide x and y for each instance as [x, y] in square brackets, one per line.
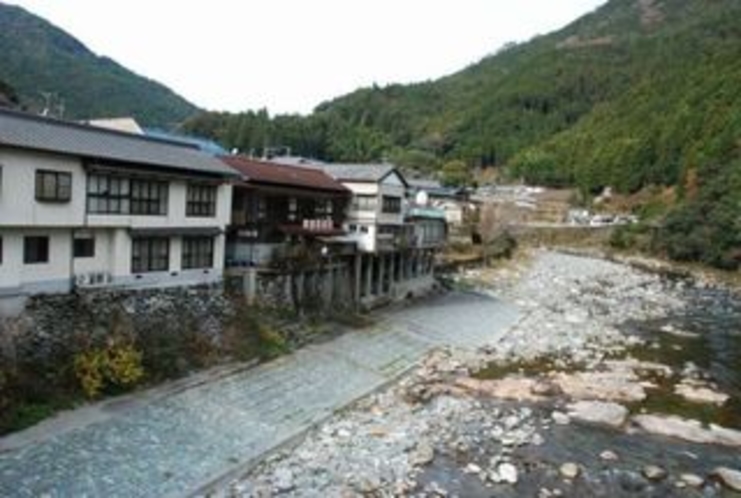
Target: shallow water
[712, 325]
[713, 318]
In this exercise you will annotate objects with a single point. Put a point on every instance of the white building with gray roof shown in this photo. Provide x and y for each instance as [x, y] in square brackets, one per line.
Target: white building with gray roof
[85, 207]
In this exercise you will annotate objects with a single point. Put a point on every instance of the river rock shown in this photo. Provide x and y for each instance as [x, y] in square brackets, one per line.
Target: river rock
[730, 477]
[697, 393]
[603, 386]
[560, 418]
[507, 473]
[609, 456]
[422, 455]
[472, 468]
[654, 472]
[283, 480]
[515, 388]
[672, 330]
[692, 480]
[687, 430]
[598, 412]
[569, 470]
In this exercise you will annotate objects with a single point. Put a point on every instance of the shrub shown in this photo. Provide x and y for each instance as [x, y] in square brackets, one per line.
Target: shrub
[270, 342]
[118, 364]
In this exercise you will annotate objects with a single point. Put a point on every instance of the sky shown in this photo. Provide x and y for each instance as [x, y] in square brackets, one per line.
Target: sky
[290, 55]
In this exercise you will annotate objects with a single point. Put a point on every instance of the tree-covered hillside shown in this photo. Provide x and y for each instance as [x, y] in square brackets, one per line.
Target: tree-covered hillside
[638, 93]
[611, 65]
[39, 58]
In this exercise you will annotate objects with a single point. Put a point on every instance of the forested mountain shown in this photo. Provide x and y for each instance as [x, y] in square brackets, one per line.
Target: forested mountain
[637, 94]
[39, 58]
[627, 85]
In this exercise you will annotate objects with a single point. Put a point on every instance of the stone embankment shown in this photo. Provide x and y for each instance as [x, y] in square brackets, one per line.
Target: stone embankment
[553, 408]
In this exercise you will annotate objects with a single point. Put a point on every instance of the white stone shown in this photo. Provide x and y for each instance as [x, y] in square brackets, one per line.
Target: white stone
[472, 468]
[687, 430]
[569, 470]
[730, 477]
[692, 480]
[609, 456]
[560, 418]
[598, 412]
[507, 473]
[653, 472]
[283, 480]
[700, 394]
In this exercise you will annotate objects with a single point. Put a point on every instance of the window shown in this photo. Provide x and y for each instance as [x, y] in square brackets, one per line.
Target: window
[391, 204]
[364, 203]
[53, 186]
[292, 208]
[150, 254]
[148, 197]
[83, 247]
[35, 250]
[108, 194]
[323, 208]
[201, 200]
[262, 208]
[198, 252]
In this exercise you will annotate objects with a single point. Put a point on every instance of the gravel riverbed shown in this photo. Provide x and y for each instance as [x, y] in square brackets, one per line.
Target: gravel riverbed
[553, 408]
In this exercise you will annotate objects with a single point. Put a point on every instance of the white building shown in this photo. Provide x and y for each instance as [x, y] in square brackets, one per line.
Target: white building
[87, 207]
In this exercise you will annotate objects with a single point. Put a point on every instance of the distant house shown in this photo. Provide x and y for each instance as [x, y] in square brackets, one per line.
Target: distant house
[453, 201]
[396, 253]
[276, 205]
[87, 207]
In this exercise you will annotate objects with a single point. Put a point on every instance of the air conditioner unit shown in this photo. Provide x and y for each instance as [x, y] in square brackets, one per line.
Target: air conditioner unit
[93, 279]
[81, 280]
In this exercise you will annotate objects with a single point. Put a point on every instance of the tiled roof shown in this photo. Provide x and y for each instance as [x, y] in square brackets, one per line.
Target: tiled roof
[28, 131]
[370, 172]
[357, 172]
[280, 174]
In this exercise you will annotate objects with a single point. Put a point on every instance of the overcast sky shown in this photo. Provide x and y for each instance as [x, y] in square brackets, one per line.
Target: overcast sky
[291, 55]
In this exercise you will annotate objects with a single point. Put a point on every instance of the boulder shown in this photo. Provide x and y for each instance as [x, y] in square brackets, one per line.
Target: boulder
[698, 393]
[687, 430]
[515, 388]
[604, 386]
[731, 478]
[692, 480]
[598, 412]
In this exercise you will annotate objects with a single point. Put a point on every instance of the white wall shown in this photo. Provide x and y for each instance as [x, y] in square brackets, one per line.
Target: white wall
[18, 204]
[53, 276]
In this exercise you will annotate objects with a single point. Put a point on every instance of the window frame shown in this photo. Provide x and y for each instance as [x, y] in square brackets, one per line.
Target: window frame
[115, 194]
[197, 252]
[390, 204]
[365, 203]
[80, 246]
[147, 257]
[200, 200]
[36, 255]
[61, 193]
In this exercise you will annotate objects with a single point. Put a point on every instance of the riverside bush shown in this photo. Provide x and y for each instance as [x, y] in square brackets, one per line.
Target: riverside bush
[118, 364]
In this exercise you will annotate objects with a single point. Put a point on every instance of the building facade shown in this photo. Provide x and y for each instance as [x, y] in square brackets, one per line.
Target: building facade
[394, 261]
[83, 207]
